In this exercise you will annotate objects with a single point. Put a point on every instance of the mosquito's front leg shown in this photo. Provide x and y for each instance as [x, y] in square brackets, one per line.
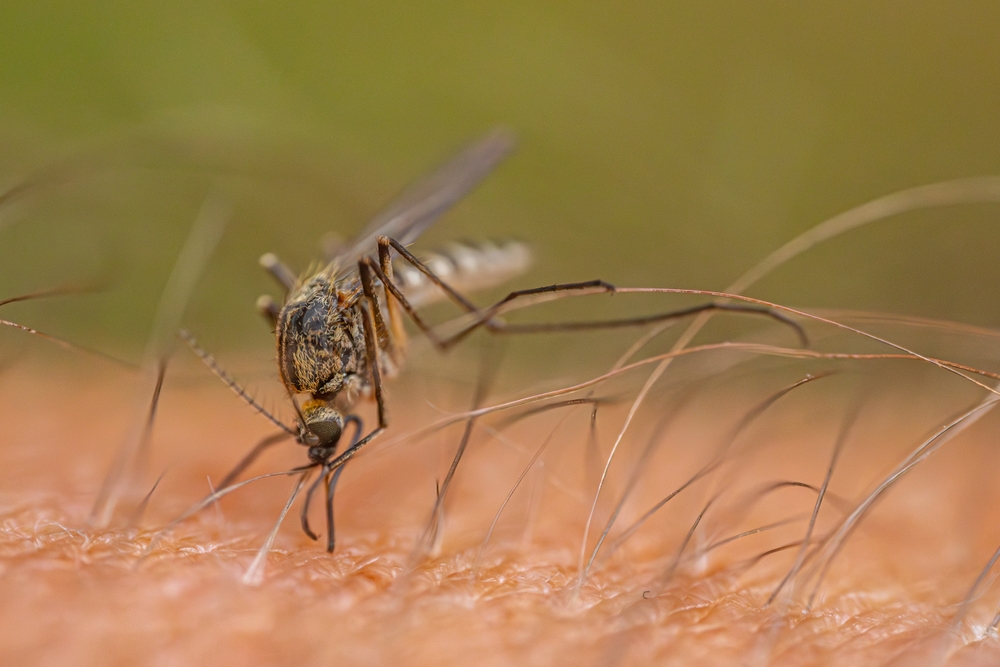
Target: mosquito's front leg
[276, 268]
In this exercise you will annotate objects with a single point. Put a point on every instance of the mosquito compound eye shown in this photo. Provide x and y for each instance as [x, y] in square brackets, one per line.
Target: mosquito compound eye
[328, 431]
[323, 422]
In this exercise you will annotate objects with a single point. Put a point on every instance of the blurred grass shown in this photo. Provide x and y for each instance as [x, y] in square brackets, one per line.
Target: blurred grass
[668, 144]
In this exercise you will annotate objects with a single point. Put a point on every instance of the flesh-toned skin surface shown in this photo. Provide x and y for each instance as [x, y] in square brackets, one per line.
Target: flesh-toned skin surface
[71, 593]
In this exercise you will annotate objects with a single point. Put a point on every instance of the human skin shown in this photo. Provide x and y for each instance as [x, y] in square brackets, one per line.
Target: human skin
[73, 593]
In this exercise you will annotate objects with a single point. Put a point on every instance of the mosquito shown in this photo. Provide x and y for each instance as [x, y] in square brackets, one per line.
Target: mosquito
[340, 331]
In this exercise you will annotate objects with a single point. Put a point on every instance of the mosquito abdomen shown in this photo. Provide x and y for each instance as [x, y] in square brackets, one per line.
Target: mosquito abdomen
[464, 266]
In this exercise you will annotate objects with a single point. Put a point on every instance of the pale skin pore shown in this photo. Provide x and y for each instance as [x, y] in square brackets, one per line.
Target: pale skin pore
[77, 594]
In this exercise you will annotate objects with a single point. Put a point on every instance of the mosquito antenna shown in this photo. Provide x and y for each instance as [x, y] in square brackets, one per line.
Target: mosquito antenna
[214, 366]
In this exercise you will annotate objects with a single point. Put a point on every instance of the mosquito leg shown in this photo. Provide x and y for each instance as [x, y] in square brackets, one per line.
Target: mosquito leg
[501, 327]
[368, 305]
[354, 419]
[351, 451]
[398, 297]
[486, 317]
[371, 356]
[250, 457]
[392, 305]
[276, 268]
[330, 488]
[384, 243]
[269, 309]
[375, 308]
[483, 318]
[437, 341]
[304, 515]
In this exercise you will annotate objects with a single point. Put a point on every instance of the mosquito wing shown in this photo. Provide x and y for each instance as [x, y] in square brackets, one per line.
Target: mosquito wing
[424, 201]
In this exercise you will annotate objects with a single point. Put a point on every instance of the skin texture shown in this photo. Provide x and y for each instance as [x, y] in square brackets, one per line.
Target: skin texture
[75, 594]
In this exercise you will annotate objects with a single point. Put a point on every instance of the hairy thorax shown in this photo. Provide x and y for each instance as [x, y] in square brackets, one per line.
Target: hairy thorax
[321, 345]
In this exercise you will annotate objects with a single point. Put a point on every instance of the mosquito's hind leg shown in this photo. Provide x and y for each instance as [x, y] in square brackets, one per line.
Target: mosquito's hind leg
[487, 318]
[371, 316]
[397, 329]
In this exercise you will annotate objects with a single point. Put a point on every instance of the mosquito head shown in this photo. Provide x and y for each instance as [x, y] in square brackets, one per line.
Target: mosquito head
[321, 428]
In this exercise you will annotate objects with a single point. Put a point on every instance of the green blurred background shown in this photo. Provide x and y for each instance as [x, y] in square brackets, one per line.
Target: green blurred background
[661, 143]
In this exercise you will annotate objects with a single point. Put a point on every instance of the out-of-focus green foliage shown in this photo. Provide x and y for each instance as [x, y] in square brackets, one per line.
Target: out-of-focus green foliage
[661, 143]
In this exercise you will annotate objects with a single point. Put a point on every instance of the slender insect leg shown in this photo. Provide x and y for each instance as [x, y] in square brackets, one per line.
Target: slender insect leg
[370, 315]
[763, 311]
[332, 482]
[384, 243]
[250, 457]
[358, 426]
[276, 268]
[375, 307]
[397, 295]
[399, 337]
[371, 354]
[270, 310]
[330, 488]
[304, 515]
[349, 453]
[485, 318]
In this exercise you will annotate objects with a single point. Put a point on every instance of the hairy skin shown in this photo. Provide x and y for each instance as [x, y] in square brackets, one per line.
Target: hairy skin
[72, 594]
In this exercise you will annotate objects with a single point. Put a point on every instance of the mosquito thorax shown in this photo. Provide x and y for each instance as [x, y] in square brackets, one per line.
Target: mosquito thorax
[319, 342]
